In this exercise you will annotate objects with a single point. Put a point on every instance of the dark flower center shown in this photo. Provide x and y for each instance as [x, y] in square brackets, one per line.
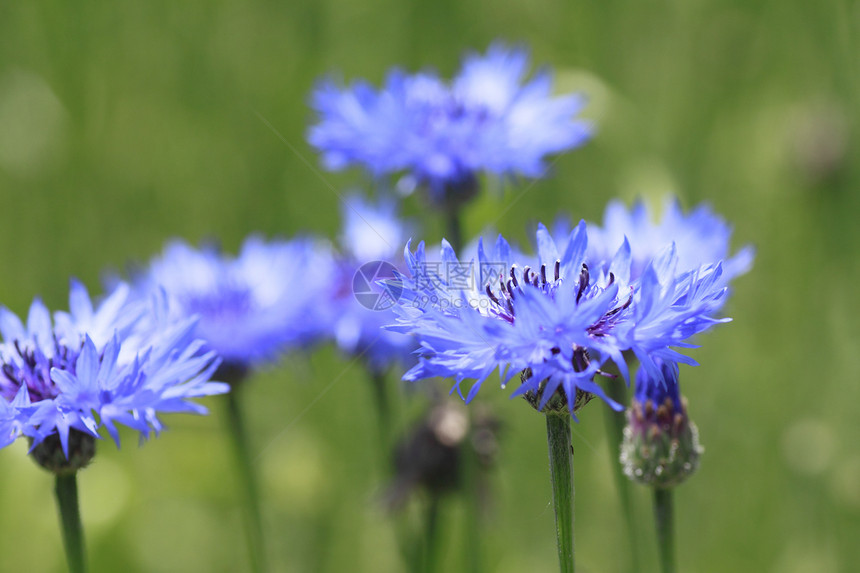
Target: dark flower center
[509, 287]
[30, 367]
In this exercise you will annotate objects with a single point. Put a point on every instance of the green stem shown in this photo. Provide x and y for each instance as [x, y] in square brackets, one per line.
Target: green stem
[615, 422]
[431, 534]
[665, 529]
[248, 479]
[383, 410]
[472, 501]
[561, 471]
[70, 518]
[408, 542]
[453, 228]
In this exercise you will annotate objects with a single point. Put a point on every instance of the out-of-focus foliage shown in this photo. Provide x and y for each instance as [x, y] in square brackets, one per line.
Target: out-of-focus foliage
[124, 125]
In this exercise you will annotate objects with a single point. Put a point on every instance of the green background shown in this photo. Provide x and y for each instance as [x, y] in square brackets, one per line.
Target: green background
[125, 124]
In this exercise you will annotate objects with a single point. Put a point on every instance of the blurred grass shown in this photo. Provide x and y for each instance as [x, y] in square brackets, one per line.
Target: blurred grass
[124, 125]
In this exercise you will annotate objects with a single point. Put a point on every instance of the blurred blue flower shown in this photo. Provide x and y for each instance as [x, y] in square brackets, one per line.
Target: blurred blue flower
[701, 237]
[95, 367]
[250, 307]
[441, 135]
[372, 230]
[358, 309]
[557, 318]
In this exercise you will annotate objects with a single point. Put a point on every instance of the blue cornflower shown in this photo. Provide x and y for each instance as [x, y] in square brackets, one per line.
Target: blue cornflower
[92, 368]
[557, 318]
[358, 308]
[250, 307]
[701, 237]
[442, 135]
[372, 230]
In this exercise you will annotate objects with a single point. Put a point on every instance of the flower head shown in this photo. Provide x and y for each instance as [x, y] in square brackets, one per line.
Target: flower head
[556, 318]
[92, 368]
[357, 307]
[250, 307]
[701, 237]
[441, 135]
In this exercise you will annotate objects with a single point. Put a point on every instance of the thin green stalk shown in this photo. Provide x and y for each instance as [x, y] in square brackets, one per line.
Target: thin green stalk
[453, 228]
[383, 410]
[665, 528]
[248, 482]
[561, 471]
[615, 422]
[431, 534]
[66, 489]
[472, 501]
[408, 542]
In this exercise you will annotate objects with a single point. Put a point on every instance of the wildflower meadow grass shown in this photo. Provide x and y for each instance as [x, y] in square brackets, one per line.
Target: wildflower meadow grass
[238, 208]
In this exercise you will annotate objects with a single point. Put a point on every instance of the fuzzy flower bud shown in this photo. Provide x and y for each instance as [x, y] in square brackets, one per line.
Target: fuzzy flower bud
[661, 445]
